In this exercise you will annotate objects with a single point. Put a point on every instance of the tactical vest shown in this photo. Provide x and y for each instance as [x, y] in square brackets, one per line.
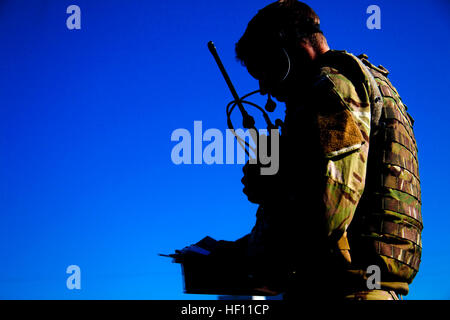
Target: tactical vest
[387, 225]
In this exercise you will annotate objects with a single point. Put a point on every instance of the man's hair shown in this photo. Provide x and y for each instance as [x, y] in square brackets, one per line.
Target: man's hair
[285, 22]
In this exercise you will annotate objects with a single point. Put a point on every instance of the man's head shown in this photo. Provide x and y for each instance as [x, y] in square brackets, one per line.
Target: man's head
[279, 44]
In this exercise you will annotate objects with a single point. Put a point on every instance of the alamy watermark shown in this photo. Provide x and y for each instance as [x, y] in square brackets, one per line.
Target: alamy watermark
[374, 20]
[74, 280]
[215, 153]
[74, 20]
[374, 280]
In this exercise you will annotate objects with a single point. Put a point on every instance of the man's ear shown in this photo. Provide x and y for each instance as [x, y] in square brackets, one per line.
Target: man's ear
[305, 45]
[304, 41]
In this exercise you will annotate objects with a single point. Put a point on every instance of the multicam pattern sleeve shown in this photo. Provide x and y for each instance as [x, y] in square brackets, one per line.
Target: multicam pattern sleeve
[343, 120]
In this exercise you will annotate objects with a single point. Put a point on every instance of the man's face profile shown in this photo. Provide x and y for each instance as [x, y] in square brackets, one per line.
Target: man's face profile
[279, 70]
[271, 67]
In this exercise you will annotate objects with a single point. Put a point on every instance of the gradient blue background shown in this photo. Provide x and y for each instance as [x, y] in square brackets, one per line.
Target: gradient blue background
[86, 117]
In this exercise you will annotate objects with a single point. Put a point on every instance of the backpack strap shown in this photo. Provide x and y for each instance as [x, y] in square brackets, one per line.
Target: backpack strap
[376, 98]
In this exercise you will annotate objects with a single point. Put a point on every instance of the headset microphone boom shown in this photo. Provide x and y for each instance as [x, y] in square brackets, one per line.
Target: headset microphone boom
[248, 122]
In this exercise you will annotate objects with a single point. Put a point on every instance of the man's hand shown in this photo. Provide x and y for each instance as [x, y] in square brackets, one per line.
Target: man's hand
[252, 182]
[258, 188]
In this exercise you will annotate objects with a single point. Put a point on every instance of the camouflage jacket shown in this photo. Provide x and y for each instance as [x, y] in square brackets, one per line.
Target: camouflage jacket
[323, 168]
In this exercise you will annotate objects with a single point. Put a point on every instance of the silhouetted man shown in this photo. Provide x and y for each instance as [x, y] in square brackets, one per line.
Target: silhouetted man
[346, 200]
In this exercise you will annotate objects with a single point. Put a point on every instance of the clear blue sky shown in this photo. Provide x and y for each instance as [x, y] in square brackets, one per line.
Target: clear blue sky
[86, 117]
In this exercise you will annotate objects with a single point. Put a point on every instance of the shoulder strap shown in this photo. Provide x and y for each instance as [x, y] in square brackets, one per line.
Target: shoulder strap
[356, 70]
[376, 99]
